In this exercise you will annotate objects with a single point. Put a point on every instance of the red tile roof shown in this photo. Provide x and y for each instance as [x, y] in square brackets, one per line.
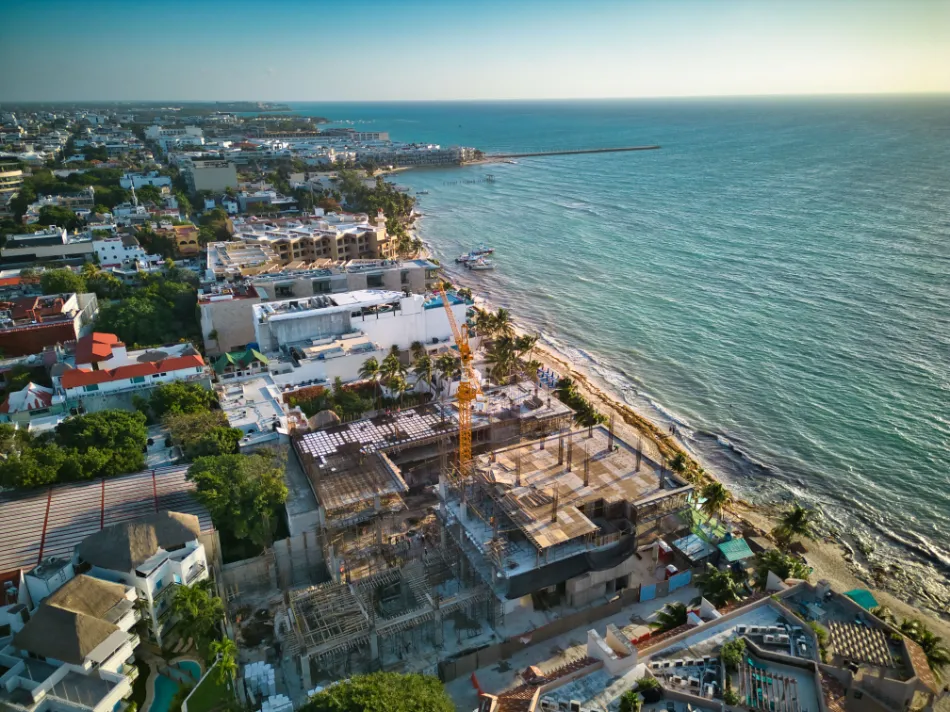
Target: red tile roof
[82, 377]
[96, 347]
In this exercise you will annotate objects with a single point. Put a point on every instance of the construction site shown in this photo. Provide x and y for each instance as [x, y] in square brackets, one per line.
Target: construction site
[433, 525]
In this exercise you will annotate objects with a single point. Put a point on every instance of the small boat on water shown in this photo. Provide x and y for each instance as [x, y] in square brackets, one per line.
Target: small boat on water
[482, 250]
[422, 192]
[480, 264]
[465, 259]
[511, 162]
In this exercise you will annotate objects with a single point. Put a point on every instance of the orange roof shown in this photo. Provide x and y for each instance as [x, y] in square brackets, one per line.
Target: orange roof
[96, 347]
[82, 377]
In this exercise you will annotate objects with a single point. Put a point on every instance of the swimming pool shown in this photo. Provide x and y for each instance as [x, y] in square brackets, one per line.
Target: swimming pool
[166, 688]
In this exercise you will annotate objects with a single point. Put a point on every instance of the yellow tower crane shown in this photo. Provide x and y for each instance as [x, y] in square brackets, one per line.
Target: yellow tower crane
[468, 389]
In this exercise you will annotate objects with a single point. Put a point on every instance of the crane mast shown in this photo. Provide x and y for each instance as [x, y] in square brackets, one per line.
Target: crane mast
[468, 389]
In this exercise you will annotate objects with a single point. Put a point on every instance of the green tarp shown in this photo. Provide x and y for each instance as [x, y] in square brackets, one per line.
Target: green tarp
[238, 360]
[863, 598]
[735, 550]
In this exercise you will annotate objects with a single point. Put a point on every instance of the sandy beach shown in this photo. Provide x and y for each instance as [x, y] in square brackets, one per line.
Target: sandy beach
[827, 557]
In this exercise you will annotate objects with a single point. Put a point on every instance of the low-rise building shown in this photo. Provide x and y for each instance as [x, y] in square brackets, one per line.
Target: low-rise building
[32, 401]
[153, 555]
[74, 652]
[211, 174]
[385, 317]
[254, 406]
[30, 324]
[122, 251]
[227, 317]
[11, 179]
[53, 243]
[105, 371]
[137, 180]
[325, 236]
[168, 138]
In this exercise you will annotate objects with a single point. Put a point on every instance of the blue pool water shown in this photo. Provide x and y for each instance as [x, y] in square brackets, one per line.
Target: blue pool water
[165, 687]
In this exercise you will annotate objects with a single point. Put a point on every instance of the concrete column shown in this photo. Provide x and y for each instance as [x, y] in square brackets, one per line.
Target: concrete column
[373, 645]
[305, 672]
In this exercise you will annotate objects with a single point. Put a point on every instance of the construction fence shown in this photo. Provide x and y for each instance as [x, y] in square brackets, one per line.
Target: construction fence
[473, 660]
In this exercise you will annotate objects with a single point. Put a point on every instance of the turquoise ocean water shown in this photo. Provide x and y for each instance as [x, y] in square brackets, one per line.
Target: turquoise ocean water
[775, 279]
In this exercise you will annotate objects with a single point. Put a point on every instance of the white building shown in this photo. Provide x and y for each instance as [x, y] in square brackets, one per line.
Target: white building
[121, 252]
[104, 368]
[184, 136]
[322, 338]
[154, 555]
[54, 243]
[75, 651]
[139, 179]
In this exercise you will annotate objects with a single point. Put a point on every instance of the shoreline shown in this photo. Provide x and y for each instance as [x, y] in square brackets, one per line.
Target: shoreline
[828, 557]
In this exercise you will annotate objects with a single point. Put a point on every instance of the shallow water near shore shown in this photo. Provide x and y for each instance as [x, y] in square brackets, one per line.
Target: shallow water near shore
[775, 280]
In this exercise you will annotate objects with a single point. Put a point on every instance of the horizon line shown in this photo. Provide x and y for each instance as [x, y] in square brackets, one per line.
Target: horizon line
[777, 95]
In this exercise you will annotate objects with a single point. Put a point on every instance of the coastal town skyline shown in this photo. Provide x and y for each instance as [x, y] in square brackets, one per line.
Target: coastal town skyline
[446, 51]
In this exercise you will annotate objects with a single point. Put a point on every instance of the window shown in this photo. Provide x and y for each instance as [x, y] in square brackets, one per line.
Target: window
[138, 379]
[374, 281]
[405, 276]
[321, 286]
[91, 389]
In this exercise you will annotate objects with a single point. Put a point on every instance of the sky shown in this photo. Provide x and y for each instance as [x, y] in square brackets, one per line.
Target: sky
[390, 50]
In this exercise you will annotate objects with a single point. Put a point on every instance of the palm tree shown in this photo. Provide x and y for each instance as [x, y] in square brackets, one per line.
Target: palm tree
[938, 655]
[795, 523]
[502, 324]
[447, 365]
[673, 615]
[883, 613]
[397, 385]
[717, 587]
[524, 344]
[423, 369]
[501, 359]
[679, 462]
[779, 563]
[416, 349]
[372, 371]
[226, 652]
[716, 497]
[484, 322]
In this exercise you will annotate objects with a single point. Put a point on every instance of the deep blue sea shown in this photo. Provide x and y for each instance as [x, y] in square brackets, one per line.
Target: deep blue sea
[775, 279]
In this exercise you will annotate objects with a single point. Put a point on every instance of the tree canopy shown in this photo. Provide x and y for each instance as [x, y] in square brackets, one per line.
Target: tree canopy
[390, 691]
[180, 397]
[202, 433]
[60, 281]
[243, 493]
[162, 310]
[101, 444]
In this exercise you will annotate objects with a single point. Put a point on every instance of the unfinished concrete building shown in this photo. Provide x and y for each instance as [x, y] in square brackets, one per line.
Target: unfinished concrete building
[399, 588]
[561, 517]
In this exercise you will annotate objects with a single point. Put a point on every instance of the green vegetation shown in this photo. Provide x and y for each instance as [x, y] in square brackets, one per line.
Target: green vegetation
[90, 279]
[243, 494]
[672, 615]
[731, 697]
[717, 587]
[732, 652]
[396, 206]
[650, 688]
[214, 226]
[821, 633]
[199, 612]
[202, 434]
[796, 523]
[162, 310]
[938, 654]
[105, 181]
[102, 444]
[630, 701]
[507, 357]
[584, 411]
[389, 691]
[781, 564]
[211, 694]
[179, 397]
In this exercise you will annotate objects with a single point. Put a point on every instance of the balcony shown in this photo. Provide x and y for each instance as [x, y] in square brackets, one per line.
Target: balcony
[130, 671]
[195, 573]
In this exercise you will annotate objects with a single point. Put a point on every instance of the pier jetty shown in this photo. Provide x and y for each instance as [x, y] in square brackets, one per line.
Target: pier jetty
[571, 152]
